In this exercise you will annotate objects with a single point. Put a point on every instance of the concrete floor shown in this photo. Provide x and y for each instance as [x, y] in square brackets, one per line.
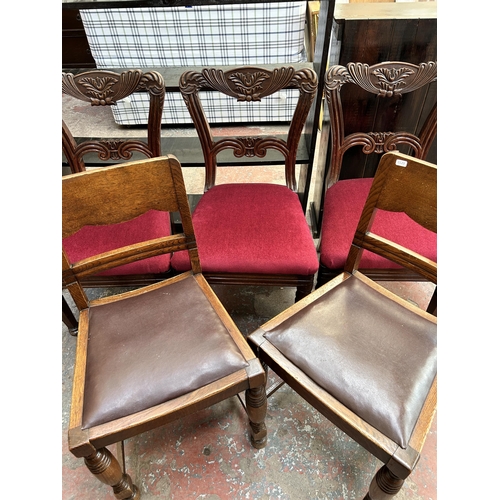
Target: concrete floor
[208, 455]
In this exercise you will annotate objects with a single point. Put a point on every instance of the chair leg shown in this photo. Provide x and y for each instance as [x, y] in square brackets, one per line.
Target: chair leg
[103, 464]
[304, 290]
[69, 318]
[256, 405]
[325, 275]
[384, 485]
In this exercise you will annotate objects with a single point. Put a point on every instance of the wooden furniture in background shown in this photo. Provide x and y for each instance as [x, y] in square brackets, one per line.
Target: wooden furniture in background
[396, 86]
[390, 31]
[156, 354]
[362, 356]
[251, 233]
[75, 46]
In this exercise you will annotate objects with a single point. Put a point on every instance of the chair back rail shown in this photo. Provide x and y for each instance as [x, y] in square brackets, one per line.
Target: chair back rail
[402, 184]
[249, 84]
[96, 198]
[389, 80]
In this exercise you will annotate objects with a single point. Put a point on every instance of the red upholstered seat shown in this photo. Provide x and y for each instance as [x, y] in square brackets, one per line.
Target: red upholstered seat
[251, 228]
[94, 240]
[347, 197]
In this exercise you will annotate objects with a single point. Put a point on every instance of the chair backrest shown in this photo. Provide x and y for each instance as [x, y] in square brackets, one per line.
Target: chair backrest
[389, 81]
[117, 194]
[249, 84]
[105, 88]
[405, 184]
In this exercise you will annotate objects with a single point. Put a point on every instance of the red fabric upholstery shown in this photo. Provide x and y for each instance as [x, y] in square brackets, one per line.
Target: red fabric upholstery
[251, 228]
[344, 203]
[93, 240]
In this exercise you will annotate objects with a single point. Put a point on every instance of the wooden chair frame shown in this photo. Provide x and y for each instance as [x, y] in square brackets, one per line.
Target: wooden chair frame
[398, 462]
[157, 184]
[105, 88]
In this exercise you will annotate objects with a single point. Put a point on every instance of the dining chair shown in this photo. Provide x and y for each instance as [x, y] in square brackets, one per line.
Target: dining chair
[383, 100]
[253, 233]
[359, 354]
[106, 88]
[152, 355]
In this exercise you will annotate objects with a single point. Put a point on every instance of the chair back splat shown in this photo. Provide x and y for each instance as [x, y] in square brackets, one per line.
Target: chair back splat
[155, 354]
[251, 233]
[362, 356]
[383, 94]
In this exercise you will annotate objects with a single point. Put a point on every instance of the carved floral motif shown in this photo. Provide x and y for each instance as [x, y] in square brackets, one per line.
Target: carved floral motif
[380, 139]
[113, 148]
[249, 85]
[392, 79]
[99, 89]
[384, 79]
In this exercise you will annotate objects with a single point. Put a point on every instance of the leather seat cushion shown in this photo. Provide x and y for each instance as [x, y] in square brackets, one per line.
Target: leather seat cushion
[343, 206]
[152, 348]
[373, 355]
[93, 240]
[251, 228]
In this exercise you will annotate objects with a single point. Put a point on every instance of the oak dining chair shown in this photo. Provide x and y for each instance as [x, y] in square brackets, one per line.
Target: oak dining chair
[155, 354]
[360, 355]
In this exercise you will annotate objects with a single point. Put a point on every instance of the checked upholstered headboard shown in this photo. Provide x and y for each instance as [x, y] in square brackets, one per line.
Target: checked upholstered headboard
[209, 35]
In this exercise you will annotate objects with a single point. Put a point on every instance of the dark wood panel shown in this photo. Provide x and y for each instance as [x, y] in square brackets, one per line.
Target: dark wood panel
[75, 47]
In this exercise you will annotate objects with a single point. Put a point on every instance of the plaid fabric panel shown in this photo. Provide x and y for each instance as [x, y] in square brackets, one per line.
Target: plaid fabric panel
[249, 34]
[218, 109]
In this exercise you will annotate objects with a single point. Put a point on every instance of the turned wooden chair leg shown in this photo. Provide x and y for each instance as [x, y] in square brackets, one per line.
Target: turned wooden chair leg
[256, 405]
[384, 485]
[103, 464]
